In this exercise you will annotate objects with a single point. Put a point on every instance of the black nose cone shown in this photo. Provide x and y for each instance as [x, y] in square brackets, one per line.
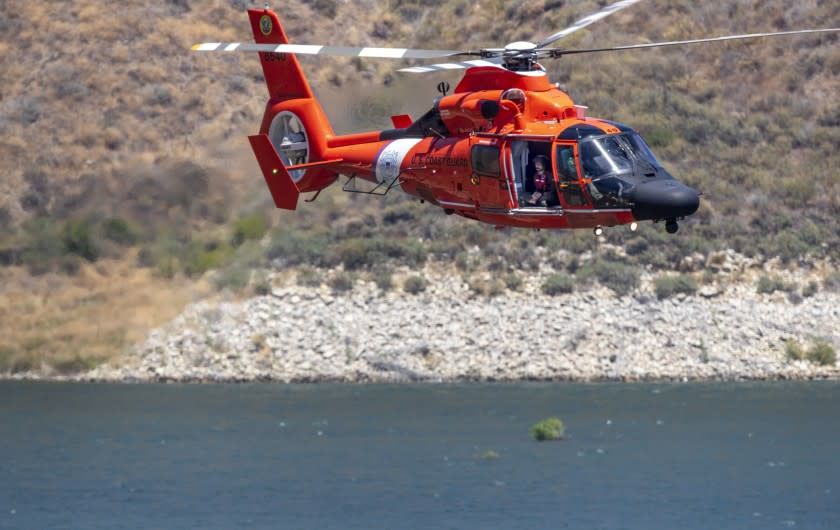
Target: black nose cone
[664, 199]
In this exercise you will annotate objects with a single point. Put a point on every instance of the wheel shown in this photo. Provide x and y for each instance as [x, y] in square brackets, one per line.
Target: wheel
[598, 230]
[671, 226]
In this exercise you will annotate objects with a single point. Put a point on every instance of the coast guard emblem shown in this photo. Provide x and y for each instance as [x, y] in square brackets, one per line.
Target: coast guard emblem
[266, 25]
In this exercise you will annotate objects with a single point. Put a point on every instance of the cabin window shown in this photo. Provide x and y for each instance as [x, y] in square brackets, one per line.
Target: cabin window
[485, 160]
[568, 173]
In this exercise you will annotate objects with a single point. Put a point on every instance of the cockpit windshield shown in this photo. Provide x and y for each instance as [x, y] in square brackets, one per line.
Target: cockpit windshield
[614, 155]
[641, 149]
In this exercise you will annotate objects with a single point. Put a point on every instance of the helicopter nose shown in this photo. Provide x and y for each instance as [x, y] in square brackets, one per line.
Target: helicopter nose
[664, 199]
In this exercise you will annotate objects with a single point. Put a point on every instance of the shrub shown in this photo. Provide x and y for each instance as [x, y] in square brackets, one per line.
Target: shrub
[202, 257]
[414, 284]
[235, 277]
[491, 287]
[6, 358]
[42, 245]
[384, 280]
[810, 289]
[358, 253]
[262, 283]
[619, 277]
[342, 282]
[463, 262]
[832, 282]
[308, 277]
[513, 281]
[250, 227]
[822, 353]
[548, 429]
[667, 286]
[558, 283]
[75, 364]
[292, 247]
[120, 232]
[768, 285]
[78, 238]
[793, 350]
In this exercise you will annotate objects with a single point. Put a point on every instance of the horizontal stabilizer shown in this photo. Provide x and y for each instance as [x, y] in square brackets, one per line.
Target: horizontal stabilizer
[401, 121]
[283, 189]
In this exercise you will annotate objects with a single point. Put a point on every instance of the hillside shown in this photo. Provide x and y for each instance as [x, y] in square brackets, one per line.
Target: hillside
[121, 149]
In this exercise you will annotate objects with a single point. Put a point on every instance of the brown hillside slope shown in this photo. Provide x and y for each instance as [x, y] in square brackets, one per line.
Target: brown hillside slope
[96, 93]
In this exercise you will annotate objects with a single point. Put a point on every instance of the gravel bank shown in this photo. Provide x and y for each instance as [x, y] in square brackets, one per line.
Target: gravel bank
[448, 333]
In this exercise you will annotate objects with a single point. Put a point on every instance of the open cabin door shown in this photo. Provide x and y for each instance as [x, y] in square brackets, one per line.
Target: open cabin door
[521, 158]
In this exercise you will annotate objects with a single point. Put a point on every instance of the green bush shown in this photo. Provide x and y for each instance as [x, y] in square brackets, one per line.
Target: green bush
[342, 282]
[120, 231]
[293, 247]
[832, 282]
[202, 257]
[619, 277]
[822, 353]
[250, 227]
[810, 289]
[793, 350]
[667, 286]
[308, 277]
[79, 239]
[75, 364]
[768, 285]
[235, 278]
[491, 288]
[548, 429]
[513, 281]
[262, 283]
[558, 283]
[384, 280]
[414, 284]
[7, 356]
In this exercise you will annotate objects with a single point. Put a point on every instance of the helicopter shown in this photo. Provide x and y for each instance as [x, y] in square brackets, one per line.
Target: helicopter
[506, 147]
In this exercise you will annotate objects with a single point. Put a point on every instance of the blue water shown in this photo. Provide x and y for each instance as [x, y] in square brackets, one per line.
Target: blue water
[697, 456]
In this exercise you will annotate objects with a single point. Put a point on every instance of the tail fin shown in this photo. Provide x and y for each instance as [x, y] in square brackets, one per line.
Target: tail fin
[294, 129]
[282, 71]
[283, 189]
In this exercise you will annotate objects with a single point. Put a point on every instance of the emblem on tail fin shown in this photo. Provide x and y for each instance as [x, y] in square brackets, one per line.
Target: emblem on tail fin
[266, 25]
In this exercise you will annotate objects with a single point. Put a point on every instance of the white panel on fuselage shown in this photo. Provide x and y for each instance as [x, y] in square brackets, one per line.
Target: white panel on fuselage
[391, 158]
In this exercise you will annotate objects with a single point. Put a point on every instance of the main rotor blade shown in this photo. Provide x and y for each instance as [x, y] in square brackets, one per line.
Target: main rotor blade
[585, 21]
[344, 51]
[493, 61]
[558, 52]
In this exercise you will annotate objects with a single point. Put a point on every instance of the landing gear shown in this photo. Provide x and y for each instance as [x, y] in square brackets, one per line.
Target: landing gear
[671, 226]
[598, 230]
[634, 226]
[448, 211]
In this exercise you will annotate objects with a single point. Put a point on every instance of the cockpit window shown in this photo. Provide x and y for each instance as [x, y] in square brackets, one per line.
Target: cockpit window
[641, 149]
[615, 154]
[604, 156]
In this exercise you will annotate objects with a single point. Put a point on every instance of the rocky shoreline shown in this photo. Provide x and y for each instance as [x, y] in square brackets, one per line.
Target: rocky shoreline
[726, 331]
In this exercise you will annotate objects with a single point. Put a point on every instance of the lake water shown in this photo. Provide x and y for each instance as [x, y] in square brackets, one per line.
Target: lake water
[646, 456]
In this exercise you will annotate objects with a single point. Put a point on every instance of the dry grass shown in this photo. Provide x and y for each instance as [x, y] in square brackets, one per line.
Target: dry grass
[69, 324]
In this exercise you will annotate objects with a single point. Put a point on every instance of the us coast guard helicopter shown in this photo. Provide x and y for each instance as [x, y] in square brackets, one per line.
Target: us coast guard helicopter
[507, 147]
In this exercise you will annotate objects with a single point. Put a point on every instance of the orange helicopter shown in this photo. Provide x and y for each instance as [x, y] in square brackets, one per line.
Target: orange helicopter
[507, 147]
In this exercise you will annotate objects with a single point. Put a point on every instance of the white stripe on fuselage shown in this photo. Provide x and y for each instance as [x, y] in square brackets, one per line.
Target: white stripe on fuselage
[391, 158]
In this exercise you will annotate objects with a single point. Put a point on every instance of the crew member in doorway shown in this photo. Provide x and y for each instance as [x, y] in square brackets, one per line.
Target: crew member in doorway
[541, 182]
